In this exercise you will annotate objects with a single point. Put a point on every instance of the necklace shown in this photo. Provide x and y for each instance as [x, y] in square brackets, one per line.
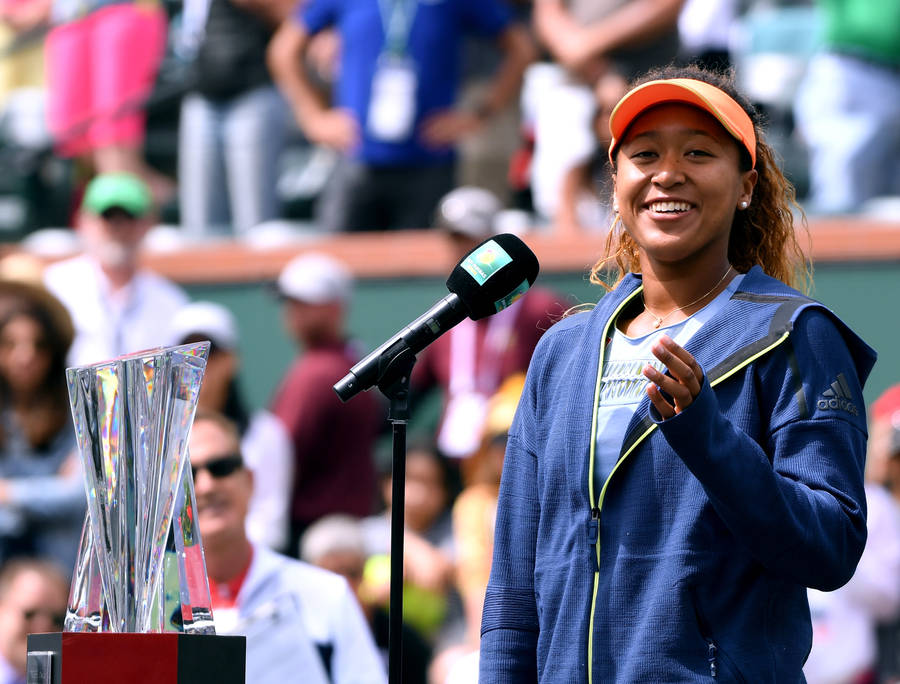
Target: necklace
[657, 320]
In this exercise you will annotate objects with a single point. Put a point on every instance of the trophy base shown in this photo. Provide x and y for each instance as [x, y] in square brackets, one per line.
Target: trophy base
[109, 658]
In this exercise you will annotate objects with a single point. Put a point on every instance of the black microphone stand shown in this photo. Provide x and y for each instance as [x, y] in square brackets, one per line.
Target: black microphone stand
[393, 381]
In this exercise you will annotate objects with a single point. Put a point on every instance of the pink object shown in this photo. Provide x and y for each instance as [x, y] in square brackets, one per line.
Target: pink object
[99, 71]
[888, 403]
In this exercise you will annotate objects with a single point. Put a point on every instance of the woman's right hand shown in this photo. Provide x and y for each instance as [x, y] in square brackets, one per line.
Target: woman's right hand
[683, 382]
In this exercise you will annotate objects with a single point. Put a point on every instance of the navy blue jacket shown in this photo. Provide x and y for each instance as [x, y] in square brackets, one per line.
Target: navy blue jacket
[691, 562]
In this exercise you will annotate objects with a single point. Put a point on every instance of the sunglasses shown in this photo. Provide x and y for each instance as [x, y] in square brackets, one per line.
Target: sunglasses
[55, 618]
[220, 467]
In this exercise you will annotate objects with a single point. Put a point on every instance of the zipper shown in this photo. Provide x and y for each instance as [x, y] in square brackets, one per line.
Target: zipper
[595, 512]
[594, 535]
[711, 649]
[711, 656]
[594, 522]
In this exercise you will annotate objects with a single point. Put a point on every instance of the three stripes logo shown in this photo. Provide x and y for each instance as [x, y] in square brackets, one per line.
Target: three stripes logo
[837, 397]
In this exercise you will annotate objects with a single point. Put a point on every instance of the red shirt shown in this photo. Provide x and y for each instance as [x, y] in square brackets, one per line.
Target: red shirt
[224, 595]
[334, 469]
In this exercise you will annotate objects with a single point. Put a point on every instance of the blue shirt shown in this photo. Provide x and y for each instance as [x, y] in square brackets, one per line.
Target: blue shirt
[434, 46]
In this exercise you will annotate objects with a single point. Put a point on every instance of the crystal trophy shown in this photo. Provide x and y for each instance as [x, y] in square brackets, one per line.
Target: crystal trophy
[140, 565]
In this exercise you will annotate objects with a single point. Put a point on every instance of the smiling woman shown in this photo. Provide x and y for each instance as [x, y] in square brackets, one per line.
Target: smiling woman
[672, 483]
[761, 230]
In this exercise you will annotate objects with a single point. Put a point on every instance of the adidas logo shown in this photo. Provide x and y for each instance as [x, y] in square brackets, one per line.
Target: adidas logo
[837, 397]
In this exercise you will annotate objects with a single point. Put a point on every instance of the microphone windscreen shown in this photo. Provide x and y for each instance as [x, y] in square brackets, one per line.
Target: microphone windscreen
[493, 275]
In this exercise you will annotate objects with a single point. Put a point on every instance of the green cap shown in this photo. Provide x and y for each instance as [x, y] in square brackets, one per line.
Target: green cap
[117, 191]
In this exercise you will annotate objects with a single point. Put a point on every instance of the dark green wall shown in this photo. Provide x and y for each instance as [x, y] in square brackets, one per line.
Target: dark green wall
[864, 295]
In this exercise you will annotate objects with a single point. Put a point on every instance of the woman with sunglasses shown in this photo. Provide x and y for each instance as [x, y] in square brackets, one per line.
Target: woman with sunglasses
[687, 457]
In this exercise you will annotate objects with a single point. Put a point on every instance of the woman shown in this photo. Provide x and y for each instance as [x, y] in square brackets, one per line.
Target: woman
[687, 457]
[265, 444]
[41, 492]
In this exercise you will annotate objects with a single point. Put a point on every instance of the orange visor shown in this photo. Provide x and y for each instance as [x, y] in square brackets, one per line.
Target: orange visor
[703, 95]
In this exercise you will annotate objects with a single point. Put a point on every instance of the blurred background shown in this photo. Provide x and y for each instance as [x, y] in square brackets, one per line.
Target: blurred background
[252, 129]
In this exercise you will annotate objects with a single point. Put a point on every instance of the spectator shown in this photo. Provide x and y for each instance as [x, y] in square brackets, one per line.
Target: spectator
[704, 31]
[471, 361]
[117, 306]
[474, 513]
[32, 600]
[849, 104]
[475, 508]
[394, 116]
[846, 622]
[586, 38]
[586, 192]
[102, 59]
[428, 556]
[844, 648]
[41, 491]
[265, 443]
[334, 471]
[336, 543]
[21, 34]
[302, 623]
[883, 468]
[39, 178]
[233, 121]
[632, 35]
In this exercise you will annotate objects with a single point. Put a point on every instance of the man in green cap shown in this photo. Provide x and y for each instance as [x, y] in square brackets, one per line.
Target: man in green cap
[117, 306]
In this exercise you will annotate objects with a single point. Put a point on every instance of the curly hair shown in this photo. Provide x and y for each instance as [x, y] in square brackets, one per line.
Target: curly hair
[763, 234]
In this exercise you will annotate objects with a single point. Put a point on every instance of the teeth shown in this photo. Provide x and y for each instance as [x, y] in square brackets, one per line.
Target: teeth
[669, 206]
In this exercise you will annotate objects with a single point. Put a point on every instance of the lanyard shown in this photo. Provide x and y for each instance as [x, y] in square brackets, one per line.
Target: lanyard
[397, 18]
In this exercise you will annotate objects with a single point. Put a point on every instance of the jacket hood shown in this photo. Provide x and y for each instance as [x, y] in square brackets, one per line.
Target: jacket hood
[755, 288]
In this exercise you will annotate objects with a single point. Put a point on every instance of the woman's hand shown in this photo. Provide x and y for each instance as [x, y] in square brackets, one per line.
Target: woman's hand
[683, 385]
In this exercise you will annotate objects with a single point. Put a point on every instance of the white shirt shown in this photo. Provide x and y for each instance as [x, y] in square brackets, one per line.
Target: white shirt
[290, 612]
[8, 675]
[269, 453]
[107, 325]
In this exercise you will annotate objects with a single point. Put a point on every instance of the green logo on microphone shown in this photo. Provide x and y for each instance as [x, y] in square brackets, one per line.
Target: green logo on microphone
[485, 261]
[511, 298]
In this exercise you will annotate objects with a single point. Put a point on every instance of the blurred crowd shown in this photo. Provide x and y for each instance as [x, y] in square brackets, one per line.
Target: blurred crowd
[224, 118]
[314, 116]
[304, 483]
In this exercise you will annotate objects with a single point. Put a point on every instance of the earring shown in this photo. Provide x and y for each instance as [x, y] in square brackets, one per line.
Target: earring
[744, 204]
[616, 208]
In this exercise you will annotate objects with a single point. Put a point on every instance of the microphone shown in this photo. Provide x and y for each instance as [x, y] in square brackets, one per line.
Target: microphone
[486, 280]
